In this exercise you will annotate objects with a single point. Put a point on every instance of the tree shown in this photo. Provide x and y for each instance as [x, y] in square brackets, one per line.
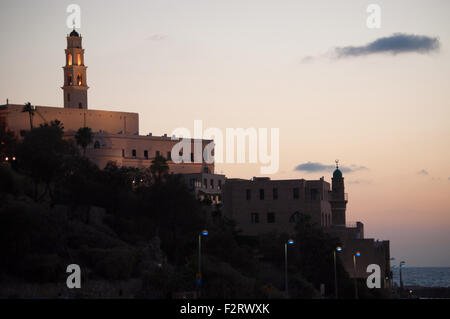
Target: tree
[41, 155]
[83, 138]
[31, 110]
[159, 168]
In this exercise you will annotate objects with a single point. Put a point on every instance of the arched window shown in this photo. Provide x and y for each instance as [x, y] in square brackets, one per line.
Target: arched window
[79, 59]
[79, 79]
[69, 79]
[69, 62]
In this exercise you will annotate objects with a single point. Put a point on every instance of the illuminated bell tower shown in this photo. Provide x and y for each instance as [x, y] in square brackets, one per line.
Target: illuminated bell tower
[75, 85]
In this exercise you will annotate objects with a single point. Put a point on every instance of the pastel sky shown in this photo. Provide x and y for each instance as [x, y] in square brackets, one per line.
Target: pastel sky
[269, 64]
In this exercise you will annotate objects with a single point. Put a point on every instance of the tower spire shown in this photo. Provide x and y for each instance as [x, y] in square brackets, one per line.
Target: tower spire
[75, 83]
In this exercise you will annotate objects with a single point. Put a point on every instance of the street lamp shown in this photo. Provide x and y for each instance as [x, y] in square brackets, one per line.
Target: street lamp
[402, 265]
[286, 284]
[338, 249]
[199, 273]
[356, 254]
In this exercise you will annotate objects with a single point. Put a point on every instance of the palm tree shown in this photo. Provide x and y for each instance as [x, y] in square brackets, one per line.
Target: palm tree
[159, 168]
[30, 109]
[83, 138]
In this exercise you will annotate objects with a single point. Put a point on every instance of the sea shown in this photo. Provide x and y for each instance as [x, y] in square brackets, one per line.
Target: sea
[424, 276]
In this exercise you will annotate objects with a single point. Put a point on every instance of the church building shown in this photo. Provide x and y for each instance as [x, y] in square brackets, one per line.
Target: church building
[115, 134]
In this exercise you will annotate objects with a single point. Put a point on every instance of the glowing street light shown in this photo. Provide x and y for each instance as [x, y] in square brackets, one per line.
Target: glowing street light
[356, 254]
[286, 283]
[199, 273]
[402, 265]
[338, 249]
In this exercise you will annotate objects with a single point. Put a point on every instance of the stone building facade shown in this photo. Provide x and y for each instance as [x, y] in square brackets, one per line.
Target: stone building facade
[116, 134]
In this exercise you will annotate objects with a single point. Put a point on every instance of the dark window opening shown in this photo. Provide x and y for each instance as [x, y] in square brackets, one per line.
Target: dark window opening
[97, 144]
[261, 194]
[271, 218]
[80, 105]
[146, 154]
[133, 153]
[248, 194]
[254, 217]
[296, 192]
[275, 193]
[169, 156]
[314, 194]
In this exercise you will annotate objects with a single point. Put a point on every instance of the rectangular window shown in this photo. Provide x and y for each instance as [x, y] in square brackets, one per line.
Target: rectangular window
[205, 183]
[146, 154]
[254, 218]
[296, 192]
[133, 153]
[261, 194]
[314, 194]
[123, 153]
[212, 183]
[192, 157]
[248, 194]
[158, 153]
[275, 193]
[270, 218]
[220, 184]
[169, 156]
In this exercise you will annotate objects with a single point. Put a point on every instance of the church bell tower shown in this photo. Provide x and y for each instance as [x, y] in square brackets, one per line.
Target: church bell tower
[75, 85]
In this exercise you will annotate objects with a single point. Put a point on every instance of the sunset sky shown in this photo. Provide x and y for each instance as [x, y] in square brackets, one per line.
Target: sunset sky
[312, 69]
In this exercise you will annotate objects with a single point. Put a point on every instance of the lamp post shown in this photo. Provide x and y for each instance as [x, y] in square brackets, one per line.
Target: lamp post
[356, 254]
[402, 265]
[286, 283]
[391, 281]
[199, 273]
[338, 248]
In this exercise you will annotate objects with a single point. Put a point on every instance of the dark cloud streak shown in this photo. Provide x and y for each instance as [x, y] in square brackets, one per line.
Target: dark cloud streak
[312, 167]
[394, 44]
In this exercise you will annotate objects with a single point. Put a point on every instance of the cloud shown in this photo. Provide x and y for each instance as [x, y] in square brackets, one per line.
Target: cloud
[358, 182]
[312, 167]
[423, 172]
[156, 37]
[395, 44]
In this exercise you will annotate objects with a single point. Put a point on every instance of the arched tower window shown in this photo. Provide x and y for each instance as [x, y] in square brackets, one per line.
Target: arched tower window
[78, 59]
[69, 79]
[79, 79]
[69, 62]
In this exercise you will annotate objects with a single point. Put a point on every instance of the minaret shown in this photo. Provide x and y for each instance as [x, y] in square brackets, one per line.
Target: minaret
[75, 85]
[338, 197]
